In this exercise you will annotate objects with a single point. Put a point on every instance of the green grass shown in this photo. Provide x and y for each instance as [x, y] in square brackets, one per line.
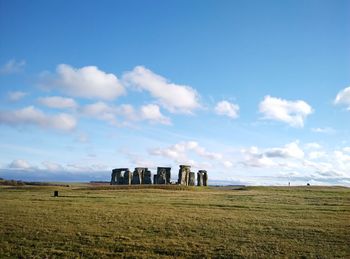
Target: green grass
[174, 222]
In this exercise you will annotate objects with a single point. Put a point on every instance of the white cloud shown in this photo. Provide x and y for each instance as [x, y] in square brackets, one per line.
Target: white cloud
[127, 111]
[58, 102]
[12, 66]
[313, 145]
[346, 149]
[32, 116]
[110, 113]
[343, 97]
[293, 113]
[228, 164]
[180, 152]
[271, 157]
[87, 82]
[326, 130]
[173, 97]
[252, 157]
[152, 113]
[52, 167]
[16, 95]
[341, 157]
[20, 164]
[291, 150]
[228, 109]
[101, 111]
[316, 155]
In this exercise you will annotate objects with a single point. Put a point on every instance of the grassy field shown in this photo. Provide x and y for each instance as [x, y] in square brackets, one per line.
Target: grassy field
[186, 222]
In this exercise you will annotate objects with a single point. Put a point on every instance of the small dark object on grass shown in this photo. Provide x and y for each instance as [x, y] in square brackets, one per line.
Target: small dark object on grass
[308, 184]
[55, 194]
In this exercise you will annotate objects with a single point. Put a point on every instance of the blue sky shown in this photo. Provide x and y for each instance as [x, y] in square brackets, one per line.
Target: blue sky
[256, 92]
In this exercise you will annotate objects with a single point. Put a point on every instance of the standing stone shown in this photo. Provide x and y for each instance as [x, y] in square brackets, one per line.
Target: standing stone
[202, 178]
[184, 174]
[155, 179]
[167, 174]
[147, 177]
[127, 177]
[191, 179]
[141, 176]
[117, 176]
[137, 176]
[205, 178]
[163, 175]
[113, 177]
[199, 178]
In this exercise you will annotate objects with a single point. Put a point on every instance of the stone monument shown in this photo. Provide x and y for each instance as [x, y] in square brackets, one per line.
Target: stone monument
[163, 175]
[117, 176]
[191, 180]
[184, 174]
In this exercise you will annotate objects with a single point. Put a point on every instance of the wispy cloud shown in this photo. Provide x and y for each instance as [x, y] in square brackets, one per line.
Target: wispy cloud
[16, 95]
[35, 117]
[180, 152]
[325, 130]
[124, 114]
[12, 66]
[58, 102]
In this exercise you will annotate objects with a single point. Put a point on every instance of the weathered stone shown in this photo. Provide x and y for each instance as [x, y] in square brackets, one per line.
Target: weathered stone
[205, 178]
[117, 177]
[137, 176]
[155, 179]
[191, 181]
[141, 175]
[184, 174]
[147, 177]
[163, 175]
[199, 178]
[127, 177]
[167, 174]
[202, 178]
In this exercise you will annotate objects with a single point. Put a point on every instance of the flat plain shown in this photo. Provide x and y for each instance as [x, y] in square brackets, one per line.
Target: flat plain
[173, 221]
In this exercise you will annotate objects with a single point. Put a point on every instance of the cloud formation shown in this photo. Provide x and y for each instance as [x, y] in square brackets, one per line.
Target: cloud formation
[111, 113]
[272, 157]
[12, 67]
[343, 97]
[16, 95]
[291, 150]
[20, 164]
[86, 82]
[253, 157]
[175, 98]
[293, 113]
[58, 102]
[32, 116]
[326, 130]
[227, 109]
[179, 152]
[152, 113]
